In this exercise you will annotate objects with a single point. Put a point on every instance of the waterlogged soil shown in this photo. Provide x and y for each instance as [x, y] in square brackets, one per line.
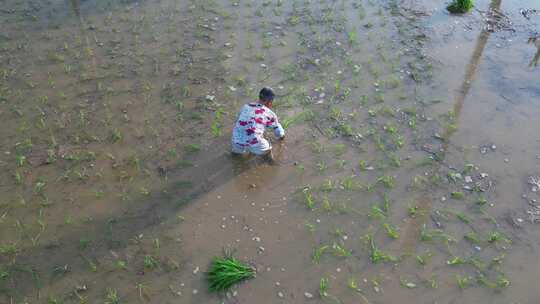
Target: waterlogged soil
[405, 175]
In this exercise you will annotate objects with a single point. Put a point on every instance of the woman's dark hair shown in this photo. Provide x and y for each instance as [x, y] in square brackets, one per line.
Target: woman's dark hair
[266, 94]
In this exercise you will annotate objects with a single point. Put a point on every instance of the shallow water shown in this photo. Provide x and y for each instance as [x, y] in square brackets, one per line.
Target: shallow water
[404, 175]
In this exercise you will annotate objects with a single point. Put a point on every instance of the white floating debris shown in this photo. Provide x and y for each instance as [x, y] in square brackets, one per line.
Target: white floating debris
[256, 239]
[468, 179]
[228, 44]
[195, 291]
[233, 89]
[196, 270]
[410, 285]
[210, 97]
[308, 295]
[280, 294]
[263, 66]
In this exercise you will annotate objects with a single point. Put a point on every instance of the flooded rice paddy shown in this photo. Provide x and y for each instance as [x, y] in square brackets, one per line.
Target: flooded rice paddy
[409, 173]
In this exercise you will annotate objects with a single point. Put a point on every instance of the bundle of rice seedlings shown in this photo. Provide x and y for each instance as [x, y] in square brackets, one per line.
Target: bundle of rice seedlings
[460, 6]
[227, 271]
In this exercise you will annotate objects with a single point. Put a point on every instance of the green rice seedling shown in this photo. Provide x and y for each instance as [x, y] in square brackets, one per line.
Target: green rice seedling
[457, 195]
[502, 282]
[321, 166]
[308, 199]
[226, 271]
[318, 252]
[424, 258]
[497, 261]
[121, 265]
[412, 123]
[375, 212]
[116, 135]
[376, 255]
[398, 140]
[386, 203]
[460, 6]
[91, 264]
[353, 284]
[9, 249]
[4, 275]
[260, 56]
[390, 128]
[347, 183]
[428, 235]
[309, 226]
[455, 261]
[143, 291]
[323, 287]
[477, 263]
[468, 168]
[84, 243]
[379, 97]
[340, 251]
[150, 262]
[392, 82]
[464, 218]
[496, 237]
[481, 201]
[317, 147]
[326, 205]
[387, 181]
[339, 149]
[215, 129]
[394, 160]
[327, 186]
[362, 165]
[352, 37]
[18, 178]
[192, 148]
[20, 160]
[39, 186]
[472, 238]
[464, 282]
[112, 296]
[391, 231]
[340, 164]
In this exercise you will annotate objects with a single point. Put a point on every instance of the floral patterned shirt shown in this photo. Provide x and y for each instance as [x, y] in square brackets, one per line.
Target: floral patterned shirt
[253, 120]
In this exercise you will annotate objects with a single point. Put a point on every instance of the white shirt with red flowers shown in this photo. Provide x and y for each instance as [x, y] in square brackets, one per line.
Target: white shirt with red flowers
[253, 120]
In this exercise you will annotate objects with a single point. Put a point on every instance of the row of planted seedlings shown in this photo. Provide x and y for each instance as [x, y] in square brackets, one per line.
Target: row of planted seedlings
[71, 135]
[391, 127]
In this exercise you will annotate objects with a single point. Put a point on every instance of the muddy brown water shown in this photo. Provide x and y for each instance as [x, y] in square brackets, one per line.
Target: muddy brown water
[406, 126]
